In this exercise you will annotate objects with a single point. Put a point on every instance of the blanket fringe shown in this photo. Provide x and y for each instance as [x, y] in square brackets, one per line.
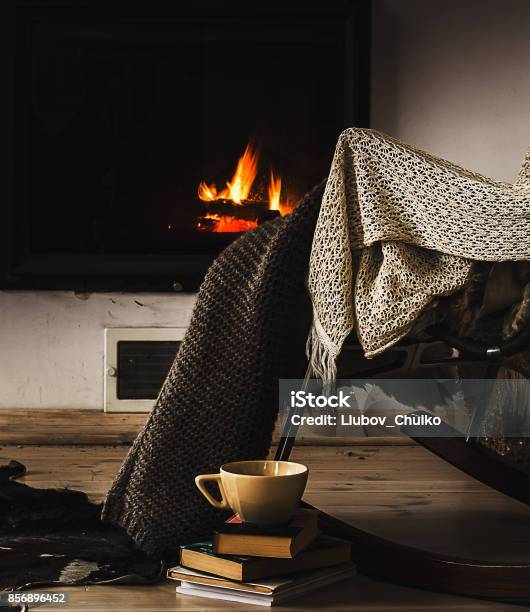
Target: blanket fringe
[321, 354]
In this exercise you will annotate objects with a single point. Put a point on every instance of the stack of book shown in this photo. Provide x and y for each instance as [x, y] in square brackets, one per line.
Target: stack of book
[263, 566]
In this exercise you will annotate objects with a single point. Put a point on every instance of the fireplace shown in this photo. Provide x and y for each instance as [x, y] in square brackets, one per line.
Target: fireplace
[148, 135]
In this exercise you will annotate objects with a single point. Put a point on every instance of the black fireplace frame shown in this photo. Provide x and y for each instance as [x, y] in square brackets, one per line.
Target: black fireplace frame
[21, 269]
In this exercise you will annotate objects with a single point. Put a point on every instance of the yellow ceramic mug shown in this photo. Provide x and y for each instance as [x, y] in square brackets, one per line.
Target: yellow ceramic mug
[261, 492]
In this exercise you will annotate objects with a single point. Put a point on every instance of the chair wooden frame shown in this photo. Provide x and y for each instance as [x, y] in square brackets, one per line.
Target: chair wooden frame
[401, 564]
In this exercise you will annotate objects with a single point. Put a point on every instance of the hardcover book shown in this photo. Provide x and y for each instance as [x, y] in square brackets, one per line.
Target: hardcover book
[323, 552]
[281, 541]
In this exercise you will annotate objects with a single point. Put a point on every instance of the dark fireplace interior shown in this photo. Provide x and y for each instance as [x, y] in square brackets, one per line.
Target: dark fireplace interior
[122, 109]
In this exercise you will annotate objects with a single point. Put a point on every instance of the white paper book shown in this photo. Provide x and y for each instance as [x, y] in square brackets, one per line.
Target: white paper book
[247, 598]
[278, 590]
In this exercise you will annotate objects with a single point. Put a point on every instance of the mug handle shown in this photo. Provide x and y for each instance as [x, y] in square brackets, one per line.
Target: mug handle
[202, 478]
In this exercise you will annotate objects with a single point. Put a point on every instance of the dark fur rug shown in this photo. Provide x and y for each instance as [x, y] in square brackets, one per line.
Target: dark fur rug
[50, 536]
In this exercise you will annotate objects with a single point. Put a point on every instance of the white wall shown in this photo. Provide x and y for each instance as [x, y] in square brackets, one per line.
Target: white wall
[453, 77]
[51, 343]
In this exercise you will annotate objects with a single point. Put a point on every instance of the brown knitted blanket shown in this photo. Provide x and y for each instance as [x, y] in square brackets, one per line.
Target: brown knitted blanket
[220, 400]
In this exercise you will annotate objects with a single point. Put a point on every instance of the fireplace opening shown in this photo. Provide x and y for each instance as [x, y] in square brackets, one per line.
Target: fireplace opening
[148, 135]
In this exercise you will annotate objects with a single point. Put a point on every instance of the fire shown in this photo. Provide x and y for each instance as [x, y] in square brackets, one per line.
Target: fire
[227, 223]
[238, 189]
[246, 170]
[207, 193]
[285, 206]
[239, 192]
[275, 189]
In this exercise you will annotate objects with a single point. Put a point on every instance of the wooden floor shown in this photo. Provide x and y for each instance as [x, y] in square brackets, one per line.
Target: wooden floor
[402, 492]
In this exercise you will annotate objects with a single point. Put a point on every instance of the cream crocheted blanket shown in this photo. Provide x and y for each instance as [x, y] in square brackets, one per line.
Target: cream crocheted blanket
[397, 228]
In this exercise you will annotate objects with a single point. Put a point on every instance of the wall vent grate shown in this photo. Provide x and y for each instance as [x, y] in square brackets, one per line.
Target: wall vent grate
[137, 361]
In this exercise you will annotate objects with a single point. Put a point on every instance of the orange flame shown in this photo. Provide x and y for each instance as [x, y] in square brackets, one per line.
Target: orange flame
[247, 168]
[284, 206]
[275, 189]
[238, 189]
[207, 193]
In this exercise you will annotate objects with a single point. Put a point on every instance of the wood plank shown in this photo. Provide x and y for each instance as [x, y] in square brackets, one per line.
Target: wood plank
[68, 427]
[93, 427]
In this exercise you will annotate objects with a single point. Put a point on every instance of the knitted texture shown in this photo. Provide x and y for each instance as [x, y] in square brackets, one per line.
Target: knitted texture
[408, 226]
[220, 399]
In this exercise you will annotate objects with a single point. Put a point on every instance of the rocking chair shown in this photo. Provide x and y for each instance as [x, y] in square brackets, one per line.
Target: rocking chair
[499, 462]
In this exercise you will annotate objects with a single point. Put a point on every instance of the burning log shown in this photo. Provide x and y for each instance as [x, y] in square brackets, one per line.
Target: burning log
[246, 210]
[225, 216]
